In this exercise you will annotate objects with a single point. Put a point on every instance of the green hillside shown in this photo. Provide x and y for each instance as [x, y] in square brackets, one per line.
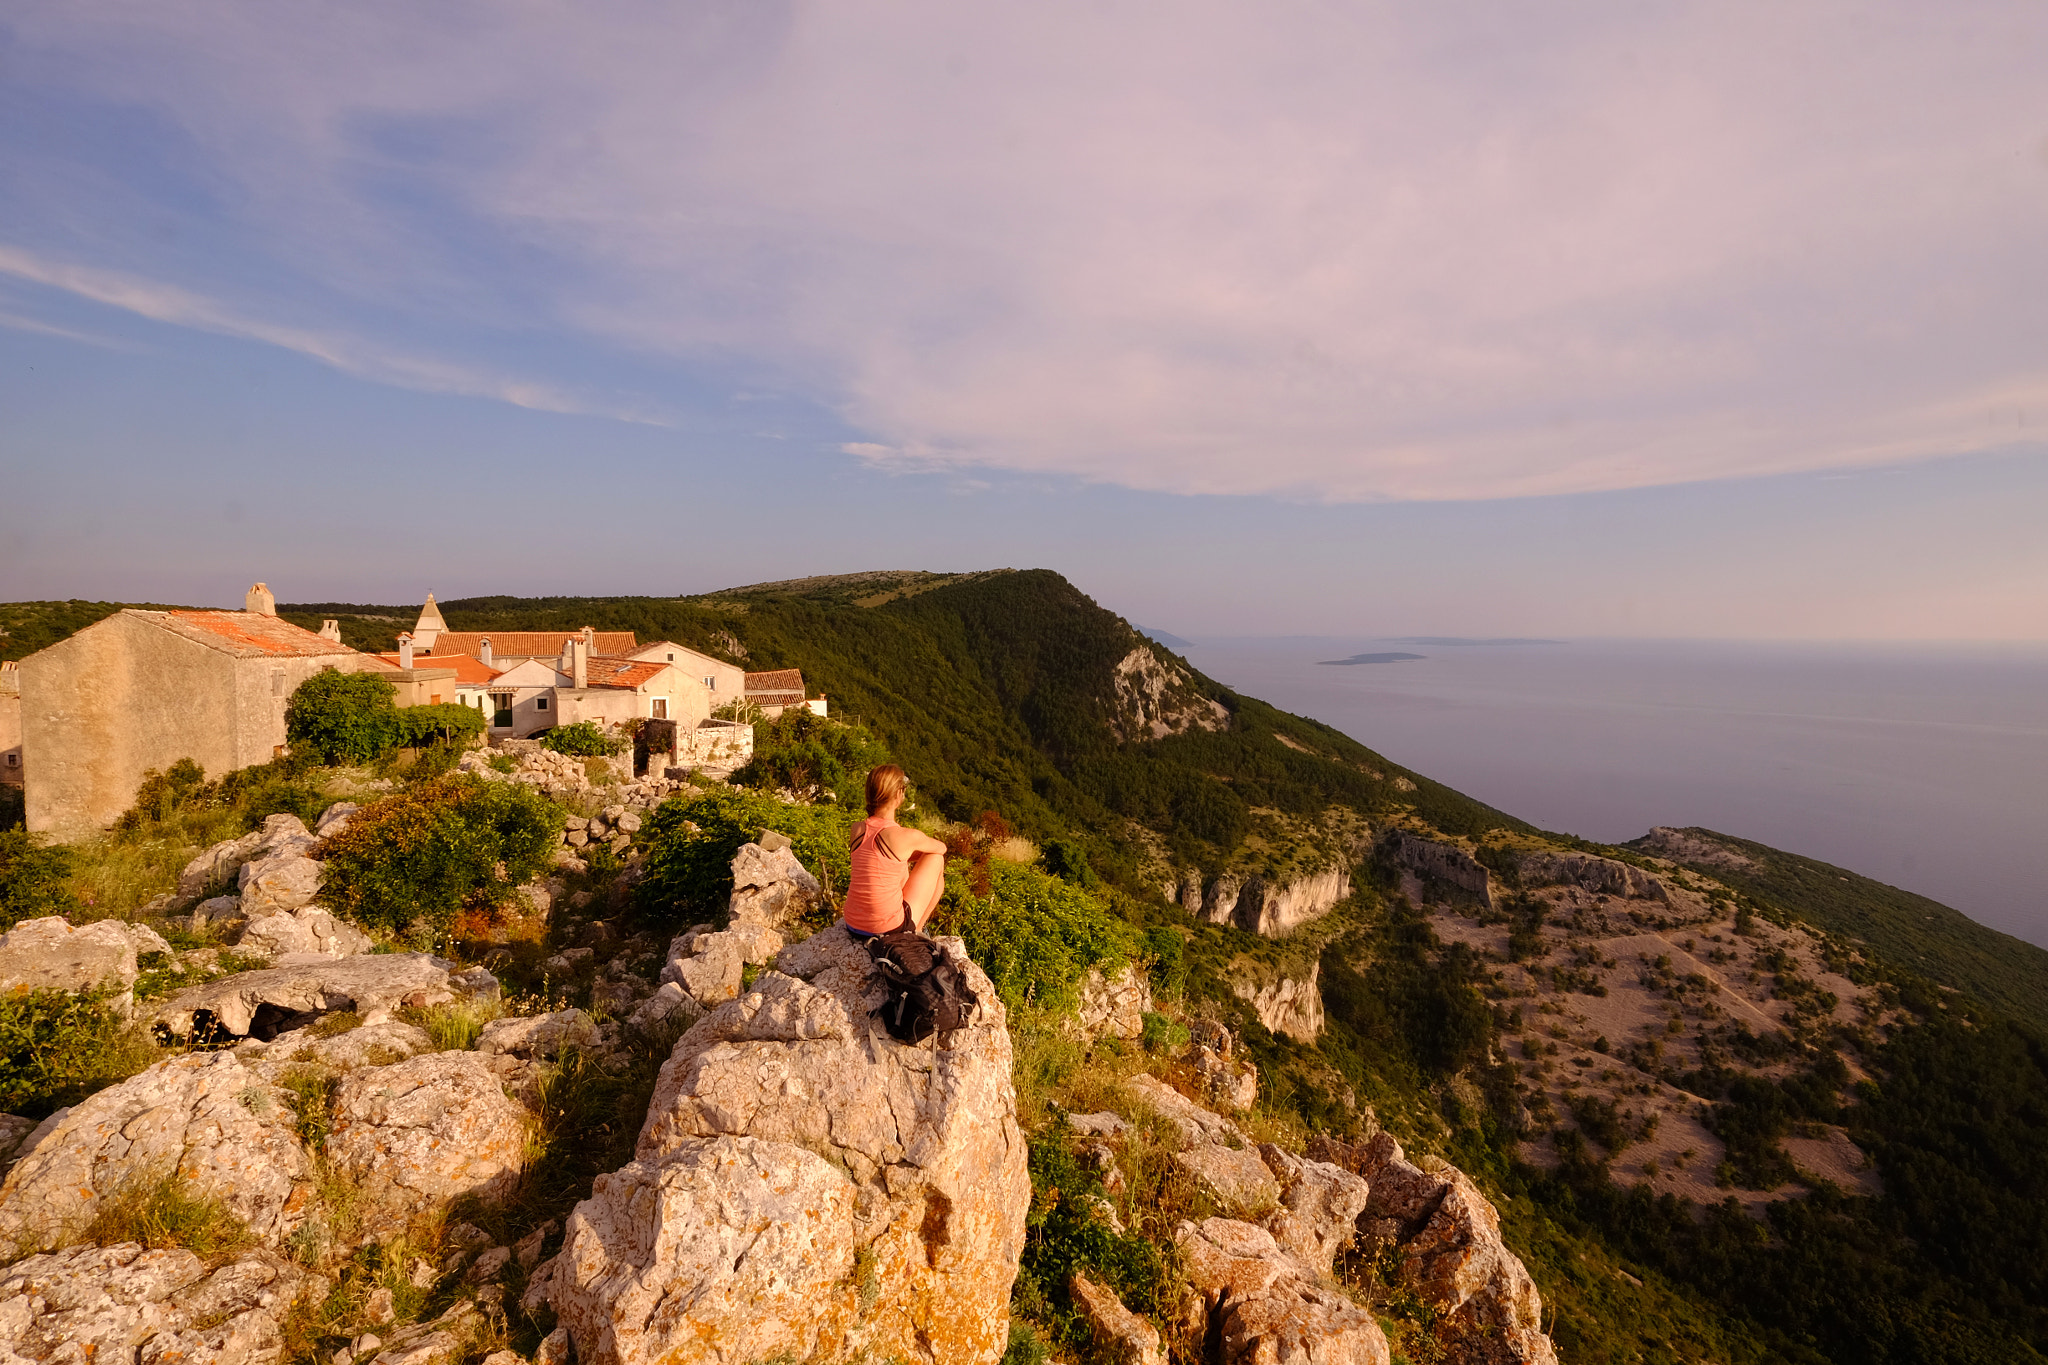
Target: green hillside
[1910, 933]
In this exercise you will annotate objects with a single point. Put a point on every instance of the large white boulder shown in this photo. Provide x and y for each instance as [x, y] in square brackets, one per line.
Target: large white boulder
[771, 888]
[121, 1303]
[308, 930]
[205, 1117]
[49, 954]
[279, 882]
[1261, 1306]
[220, 865]
[424, 1132]
[908, 1157]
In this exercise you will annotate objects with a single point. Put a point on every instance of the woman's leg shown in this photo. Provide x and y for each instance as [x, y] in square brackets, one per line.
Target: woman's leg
[921, 892]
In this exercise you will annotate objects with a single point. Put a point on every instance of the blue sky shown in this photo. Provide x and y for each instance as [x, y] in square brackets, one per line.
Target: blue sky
[1594, 319]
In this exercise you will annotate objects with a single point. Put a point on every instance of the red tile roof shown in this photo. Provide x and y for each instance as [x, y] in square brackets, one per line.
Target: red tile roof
[525, 644]
[246, 634]
[623, 673]
[777, 682]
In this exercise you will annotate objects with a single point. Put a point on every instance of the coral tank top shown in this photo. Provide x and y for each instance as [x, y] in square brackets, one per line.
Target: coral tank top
[874, 890]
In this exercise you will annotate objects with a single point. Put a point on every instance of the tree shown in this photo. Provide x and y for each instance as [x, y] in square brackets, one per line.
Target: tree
[342, 717]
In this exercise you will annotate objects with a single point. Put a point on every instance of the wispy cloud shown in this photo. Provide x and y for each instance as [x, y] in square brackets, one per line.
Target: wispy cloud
[180, 307]
[1352, 253]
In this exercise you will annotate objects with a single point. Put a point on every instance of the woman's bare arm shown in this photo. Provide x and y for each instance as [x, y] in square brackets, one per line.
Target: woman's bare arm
[907, 843]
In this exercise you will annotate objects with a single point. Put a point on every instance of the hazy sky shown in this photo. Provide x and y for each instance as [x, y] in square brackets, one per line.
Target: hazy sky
[1636, 318]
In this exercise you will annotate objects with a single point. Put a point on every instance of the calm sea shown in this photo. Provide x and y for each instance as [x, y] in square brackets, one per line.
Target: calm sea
[1923, 766]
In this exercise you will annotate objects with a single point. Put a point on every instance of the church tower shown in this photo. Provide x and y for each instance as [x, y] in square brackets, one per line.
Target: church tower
[429, 628]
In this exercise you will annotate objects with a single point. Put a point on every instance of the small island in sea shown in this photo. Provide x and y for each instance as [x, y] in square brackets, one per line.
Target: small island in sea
[1372, 659]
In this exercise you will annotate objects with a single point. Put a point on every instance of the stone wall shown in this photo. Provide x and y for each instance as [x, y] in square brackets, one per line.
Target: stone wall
[10, 725]
[122, 696]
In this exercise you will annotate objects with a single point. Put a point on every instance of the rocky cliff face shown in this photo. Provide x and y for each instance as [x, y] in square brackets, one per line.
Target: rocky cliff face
[805, 1186]
[1289, 1005]
[1257, 905]
[1602, 875]
[1155, 699]
[1436, 871]
[1447, 1238]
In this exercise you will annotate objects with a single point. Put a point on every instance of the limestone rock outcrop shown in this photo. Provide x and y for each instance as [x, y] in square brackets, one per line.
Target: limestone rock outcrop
[204, 1117]
[1114, 1006]
[1155, 699]
[1319, 1207]
[1260, 905]
[424, 1132]
[1450, 1250]
[1120, 1334]
[370, 1045]
[1195, 1124]
[124, 1304]
[309, 930]
[1261, 1306]
[372, 984]
[220, 866]
[771, 888]
[48, 954]
[1441, 871]
[1237, 1179]
[806, 1185]
[1287, 1004]
[1604, 875]
[540, 1035]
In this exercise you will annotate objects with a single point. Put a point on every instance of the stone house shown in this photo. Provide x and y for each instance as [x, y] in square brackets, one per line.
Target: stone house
[538, 694]
[143, 689]
[778, 690]
[10, 723]
[726, 682]
[451, 679]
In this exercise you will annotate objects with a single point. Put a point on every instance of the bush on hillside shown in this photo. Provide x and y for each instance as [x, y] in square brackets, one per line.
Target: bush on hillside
[56, 1048]
[254, 793]
[340, 717]
[690, 841]
[412, 861]
[584, 739]
[416, 727]
[34, 880]
[1035, 935]
[813, 756]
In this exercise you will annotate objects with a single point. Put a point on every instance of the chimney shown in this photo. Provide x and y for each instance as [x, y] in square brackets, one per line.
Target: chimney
[331, 630]
[260, 601]
[580, 659]
[405, 651]
[483, 651]
[567, 663]
[589, 639]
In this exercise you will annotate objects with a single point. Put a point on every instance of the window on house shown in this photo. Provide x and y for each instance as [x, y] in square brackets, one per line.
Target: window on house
[14, 760]
[711, 683]
[435, 699]
[671, 658]
[660, 708]
[501, 706]
[540, 703]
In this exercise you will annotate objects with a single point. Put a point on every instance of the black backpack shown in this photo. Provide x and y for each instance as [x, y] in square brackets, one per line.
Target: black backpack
[928, 993]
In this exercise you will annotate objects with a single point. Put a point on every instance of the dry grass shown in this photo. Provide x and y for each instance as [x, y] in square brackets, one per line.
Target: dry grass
[160, 1209]
[456, 1025]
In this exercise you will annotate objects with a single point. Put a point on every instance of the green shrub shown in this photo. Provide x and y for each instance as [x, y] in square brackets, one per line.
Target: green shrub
[690, 841]
[1067, 860]
[411, 861]
[1036, 935]
[56, 1048]
[1162, 1034]
[416, 727]
[33, 878]
[584, 739]
[341, 717]
[1065, 1232]
[256, 792]
[807, 753]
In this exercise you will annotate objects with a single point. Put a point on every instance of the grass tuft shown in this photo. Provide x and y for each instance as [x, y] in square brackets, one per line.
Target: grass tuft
[161, 1209]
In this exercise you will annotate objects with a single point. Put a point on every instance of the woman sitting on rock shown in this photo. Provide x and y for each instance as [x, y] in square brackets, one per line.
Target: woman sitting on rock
[898, 873]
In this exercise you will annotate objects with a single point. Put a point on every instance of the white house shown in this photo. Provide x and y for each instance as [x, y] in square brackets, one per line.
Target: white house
[726, 682]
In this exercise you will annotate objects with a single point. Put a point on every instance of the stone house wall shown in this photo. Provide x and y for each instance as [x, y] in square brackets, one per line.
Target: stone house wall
[123, 696]
[10, 726]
